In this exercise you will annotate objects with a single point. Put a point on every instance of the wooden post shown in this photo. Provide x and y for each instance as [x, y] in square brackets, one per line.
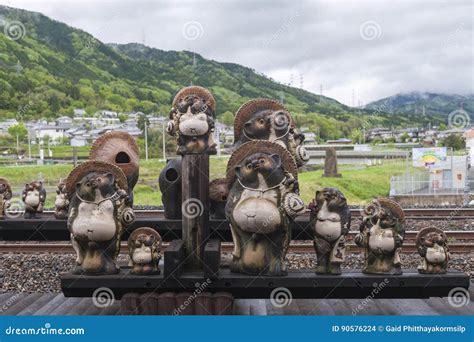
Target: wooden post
[195, 207]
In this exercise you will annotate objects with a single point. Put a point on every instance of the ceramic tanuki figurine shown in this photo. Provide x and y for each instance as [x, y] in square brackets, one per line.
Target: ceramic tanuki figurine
[61, 204]
[192, 121]
[99, 210]
[144, 246]
[381, 233]
[266, 119]
[5, 196]
[263, 200]
[433, 248]
[331, 220]
[34, 196]
[121, 149]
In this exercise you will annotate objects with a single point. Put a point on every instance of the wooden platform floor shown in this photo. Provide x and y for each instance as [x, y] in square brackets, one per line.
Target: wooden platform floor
[56, 304]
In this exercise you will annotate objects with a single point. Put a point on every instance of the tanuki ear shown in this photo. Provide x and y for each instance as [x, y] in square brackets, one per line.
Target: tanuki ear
[237, 171]
[276, 159]
[110, 177]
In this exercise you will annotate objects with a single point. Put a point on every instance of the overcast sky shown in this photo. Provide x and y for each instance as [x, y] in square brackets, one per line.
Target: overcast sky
[359, 51]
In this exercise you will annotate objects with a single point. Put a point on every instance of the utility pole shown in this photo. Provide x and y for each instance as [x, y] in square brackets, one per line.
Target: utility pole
[164, 142]
[17, 145]
[146, 139]
[29, 146]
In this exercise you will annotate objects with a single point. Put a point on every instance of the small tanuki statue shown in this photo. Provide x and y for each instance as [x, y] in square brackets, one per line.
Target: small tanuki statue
[266, 119]
[144, 246]
[192, 121]
[5, 196]
[34, 196]
[61, 204]
[331, 220]
[433, 248]
[99, 210]
[263, 200]
[121, 149]
[381, 234]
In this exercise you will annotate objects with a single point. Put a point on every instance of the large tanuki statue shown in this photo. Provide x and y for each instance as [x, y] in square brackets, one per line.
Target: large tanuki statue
[266, 119]
[120, 149]
[99, 210]
[263, 200]
[192, 121]
[381, 233]
[331, 220]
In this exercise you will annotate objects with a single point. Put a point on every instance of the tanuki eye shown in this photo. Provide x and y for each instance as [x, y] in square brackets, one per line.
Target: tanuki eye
[261, 121]
[249, 166]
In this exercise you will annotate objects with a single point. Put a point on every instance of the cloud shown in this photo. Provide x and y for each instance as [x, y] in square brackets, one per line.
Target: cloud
[371, 49]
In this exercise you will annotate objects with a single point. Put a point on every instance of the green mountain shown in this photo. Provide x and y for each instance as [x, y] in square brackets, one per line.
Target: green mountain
[48, 68]
[429, 104]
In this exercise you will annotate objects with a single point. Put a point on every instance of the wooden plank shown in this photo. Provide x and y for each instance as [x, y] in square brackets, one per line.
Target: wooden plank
[38, 304]
[242, 307]
[50, 306]
[20, 305]
[258, 307]
[442, 307]
[413, 307]
[14, 300]
[195, 195]
[80, 307]
[68, 307]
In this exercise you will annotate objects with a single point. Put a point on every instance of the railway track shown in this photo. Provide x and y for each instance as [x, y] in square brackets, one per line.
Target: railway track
[460, 242]
[410, 213]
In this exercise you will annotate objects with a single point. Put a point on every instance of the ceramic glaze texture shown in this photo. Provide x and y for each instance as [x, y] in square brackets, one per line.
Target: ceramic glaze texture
[328, 224]
[266, 119]
[144, 246]
[99, 210]
[433, 248]
[260, 210]
[5, 196]
[95, 222]
[381, 234]
[330, 219]
[34, 196]
[192, 121]
[61, 203]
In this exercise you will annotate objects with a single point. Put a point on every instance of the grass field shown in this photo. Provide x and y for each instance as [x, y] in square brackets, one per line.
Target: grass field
[359, 183]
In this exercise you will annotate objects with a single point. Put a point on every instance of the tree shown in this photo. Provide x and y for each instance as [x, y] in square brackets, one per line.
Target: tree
[404, 137]
[19, 130]
[227, 118]
[456, 142]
